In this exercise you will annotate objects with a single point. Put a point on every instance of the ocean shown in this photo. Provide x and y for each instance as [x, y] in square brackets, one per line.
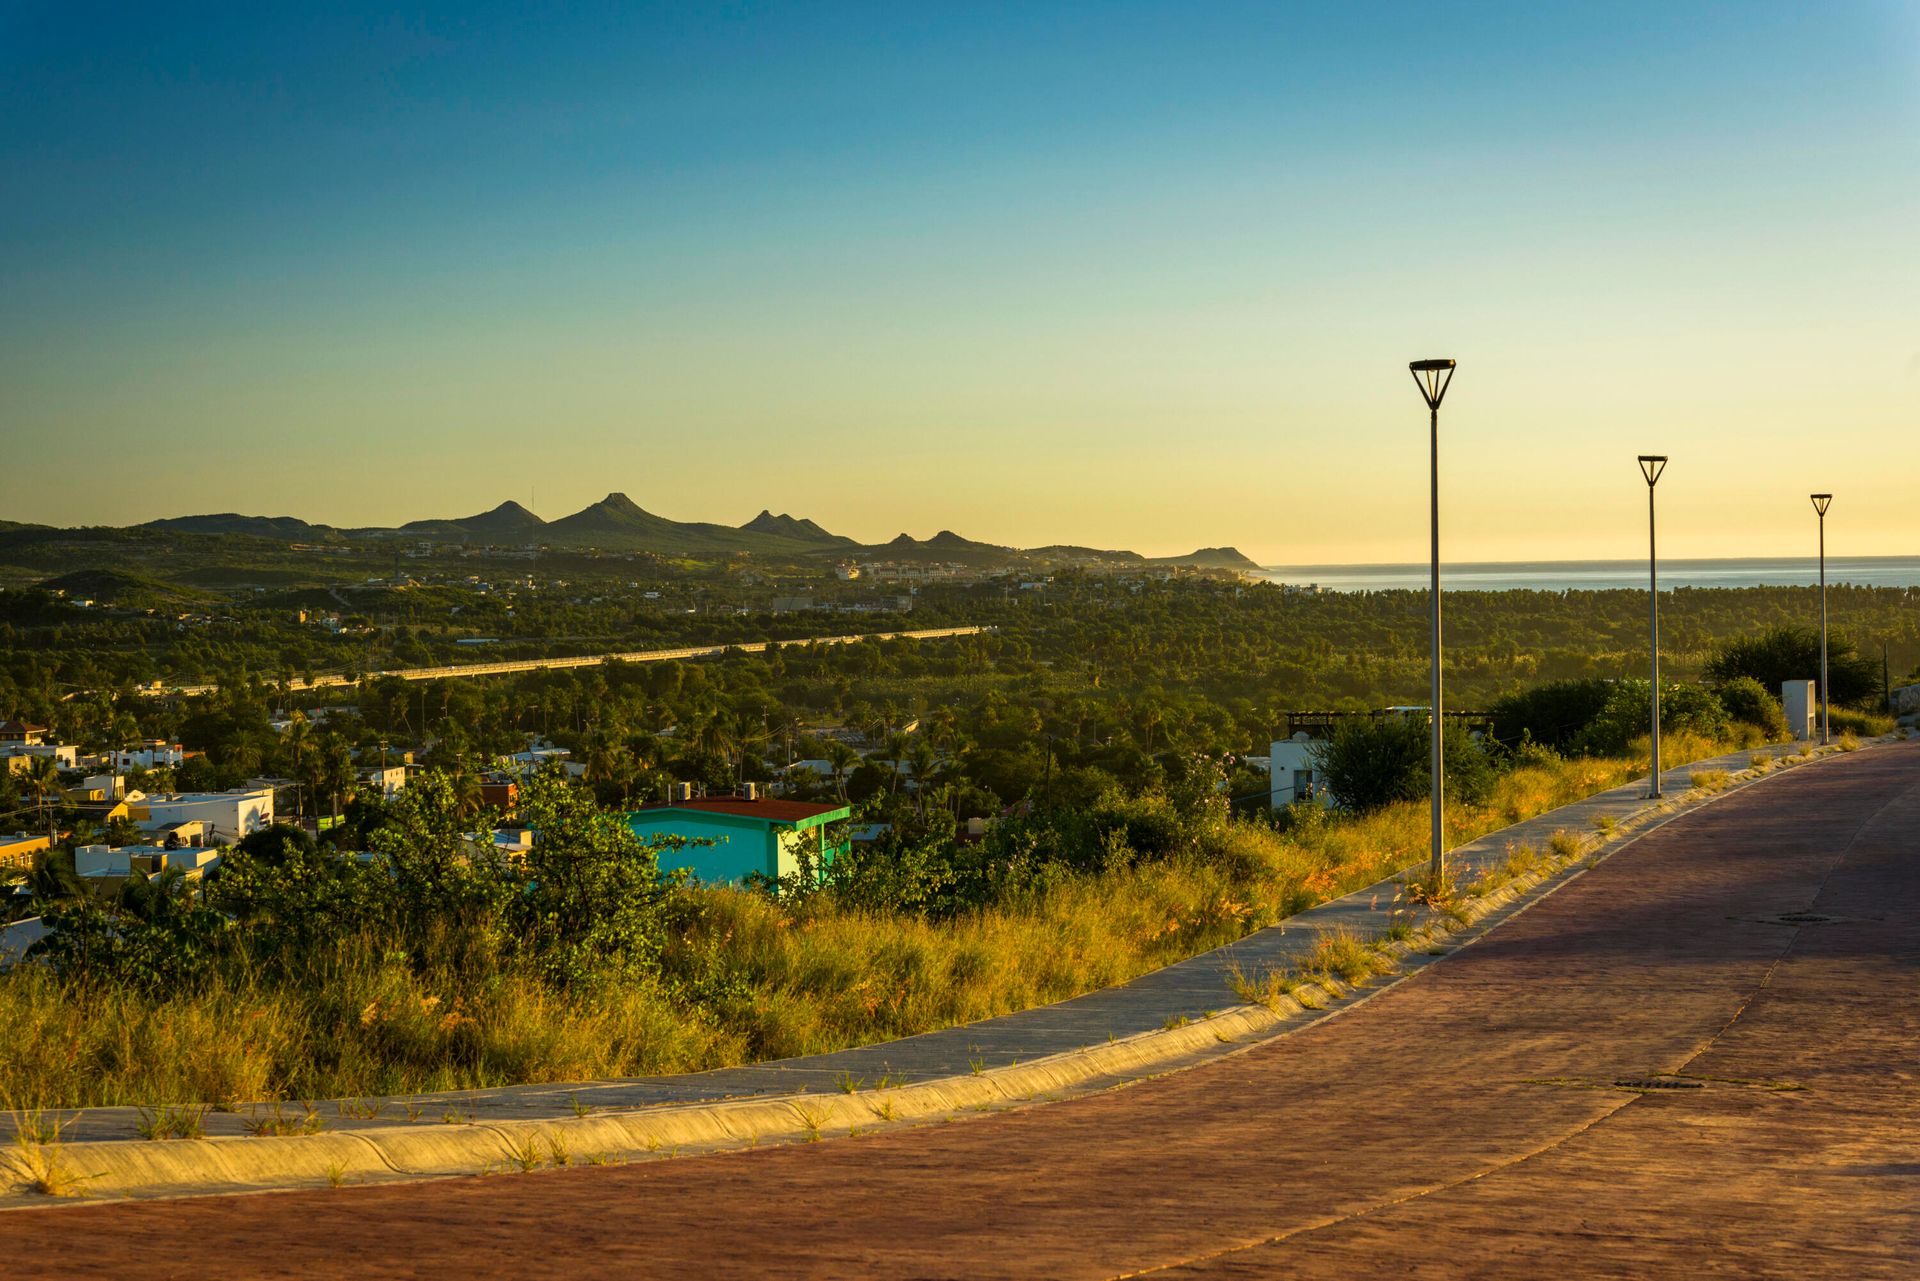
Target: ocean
[1601, 575]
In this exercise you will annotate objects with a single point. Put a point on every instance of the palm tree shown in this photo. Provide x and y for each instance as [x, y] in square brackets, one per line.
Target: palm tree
[465, 785]
[843, 759]
[922, 758]
[41, 780]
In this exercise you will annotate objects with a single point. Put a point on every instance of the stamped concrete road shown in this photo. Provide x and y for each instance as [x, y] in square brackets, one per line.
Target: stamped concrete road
[1762, 953]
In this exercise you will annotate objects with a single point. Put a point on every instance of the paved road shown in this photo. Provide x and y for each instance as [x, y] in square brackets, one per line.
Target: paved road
[1465, 1123]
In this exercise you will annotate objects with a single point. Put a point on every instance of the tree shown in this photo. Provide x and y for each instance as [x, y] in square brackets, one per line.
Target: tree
[1372, 762]
[1782, 654]
[843, 759]
[41, 780]
[591, 907]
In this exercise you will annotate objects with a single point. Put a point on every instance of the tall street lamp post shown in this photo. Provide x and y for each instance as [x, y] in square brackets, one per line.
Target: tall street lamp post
[1433, 378]
[1820, 504]
[1651, 465]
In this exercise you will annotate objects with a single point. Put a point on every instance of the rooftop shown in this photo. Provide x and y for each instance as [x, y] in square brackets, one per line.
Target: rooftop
[768, 808]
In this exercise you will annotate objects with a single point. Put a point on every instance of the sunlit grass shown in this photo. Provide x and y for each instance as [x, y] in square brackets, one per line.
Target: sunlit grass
[751, 979]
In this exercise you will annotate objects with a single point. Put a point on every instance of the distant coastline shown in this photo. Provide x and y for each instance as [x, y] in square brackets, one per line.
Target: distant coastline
[1605, 575]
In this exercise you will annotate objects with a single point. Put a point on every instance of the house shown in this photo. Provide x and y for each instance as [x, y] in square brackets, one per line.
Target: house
[65, 755]
[99, 787]
[21, 850]
[22, 734]
[227, 816]
[153, 753]
[388, 780]
[1290, 771]
[749, 833]
[497, 793]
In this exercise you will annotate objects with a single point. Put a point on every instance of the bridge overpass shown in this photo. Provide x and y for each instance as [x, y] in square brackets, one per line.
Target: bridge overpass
[457, 671]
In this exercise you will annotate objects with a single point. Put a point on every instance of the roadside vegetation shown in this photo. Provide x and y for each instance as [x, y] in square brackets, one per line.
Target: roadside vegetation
[402, 954]
[298, 975]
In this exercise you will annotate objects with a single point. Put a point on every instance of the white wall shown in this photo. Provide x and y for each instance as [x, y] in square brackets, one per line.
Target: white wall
[1291, 772]
[228, 815]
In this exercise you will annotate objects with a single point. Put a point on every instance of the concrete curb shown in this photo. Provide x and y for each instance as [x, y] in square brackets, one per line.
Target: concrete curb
[120, 1169]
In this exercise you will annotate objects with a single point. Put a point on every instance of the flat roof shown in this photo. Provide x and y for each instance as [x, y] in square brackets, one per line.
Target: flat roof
[769, 809]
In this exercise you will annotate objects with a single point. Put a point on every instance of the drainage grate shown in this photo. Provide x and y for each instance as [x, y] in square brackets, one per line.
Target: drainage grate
[1656, 1083]
[1801, 918]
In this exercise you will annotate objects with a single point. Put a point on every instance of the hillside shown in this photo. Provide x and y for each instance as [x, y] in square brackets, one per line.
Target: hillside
[125, 591]
[284, 528]
[1210, 558]
[615, 523]
[785, 526]
[507, 523]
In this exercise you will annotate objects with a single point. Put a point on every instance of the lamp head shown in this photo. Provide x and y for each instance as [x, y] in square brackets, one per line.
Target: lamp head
[1821, 502]
[1432, 377]
[1651, 465]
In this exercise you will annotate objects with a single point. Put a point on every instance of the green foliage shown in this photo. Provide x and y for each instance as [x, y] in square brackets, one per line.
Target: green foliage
[153, 937]
[1751, 703]
[1787, 653]
[1376, 761]
[591, 908]
[1554, 713]
[1625, 719]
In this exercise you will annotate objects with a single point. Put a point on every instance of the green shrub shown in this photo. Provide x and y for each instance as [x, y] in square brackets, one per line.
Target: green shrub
[1684, 708]
[1555, 713]
[1749, 702]
[1373, 762]
[1782, 654]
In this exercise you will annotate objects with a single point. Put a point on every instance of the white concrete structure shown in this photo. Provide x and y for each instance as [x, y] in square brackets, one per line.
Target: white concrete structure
[1802, 706]
[64, 755]
[1291, 774]
[98, 860]
[228, 815]
[110, 786]
[193, 862]
[390, 780]
[155, 753]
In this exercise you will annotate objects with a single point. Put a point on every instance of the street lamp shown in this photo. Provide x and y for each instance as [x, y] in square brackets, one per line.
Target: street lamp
[1651, 465]
[1433, 378]
[1820, 504]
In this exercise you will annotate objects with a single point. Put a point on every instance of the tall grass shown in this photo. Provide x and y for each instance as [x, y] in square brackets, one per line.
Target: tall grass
[747, 978]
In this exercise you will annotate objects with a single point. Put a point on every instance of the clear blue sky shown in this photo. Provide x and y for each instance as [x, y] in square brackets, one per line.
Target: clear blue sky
[1122, 274]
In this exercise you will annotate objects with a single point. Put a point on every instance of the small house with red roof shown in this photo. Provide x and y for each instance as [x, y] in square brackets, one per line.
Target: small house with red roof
[749, 833]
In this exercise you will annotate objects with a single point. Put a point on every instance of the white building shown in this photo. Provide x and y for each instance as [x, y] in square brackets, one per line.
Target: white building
[154, 753]
[389, 779]
[228, 816]
[64, 755]
[1291, 772]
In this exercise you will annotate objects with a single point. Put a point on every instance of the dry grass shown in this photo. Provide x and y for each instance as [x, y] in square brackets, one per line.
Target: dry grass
[39, 1162]
[1341, 955]
[752, 979]
[1709, 780]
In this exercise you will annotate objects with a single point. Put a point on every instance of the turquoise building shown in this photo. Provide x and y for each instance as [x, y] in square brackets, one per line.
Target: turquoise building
[760, 834]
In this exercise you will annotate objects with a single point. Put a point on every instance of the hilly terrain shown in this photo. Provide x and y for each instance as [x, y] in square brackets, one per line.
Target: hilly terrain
[617, 523]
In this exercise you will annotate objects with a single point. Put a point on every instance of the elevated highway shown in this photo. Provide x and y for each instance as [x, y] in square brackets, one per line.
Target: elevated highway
[457, 671]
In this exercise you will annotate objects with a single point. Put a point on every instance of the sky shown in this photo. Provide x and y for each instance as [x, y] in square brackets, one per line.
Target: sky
[1115, 274]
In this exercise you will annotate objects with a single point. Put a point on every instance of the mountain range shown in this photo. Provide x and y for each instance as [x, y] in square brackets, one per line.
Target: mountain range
[617, 523]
